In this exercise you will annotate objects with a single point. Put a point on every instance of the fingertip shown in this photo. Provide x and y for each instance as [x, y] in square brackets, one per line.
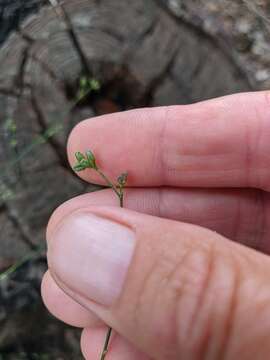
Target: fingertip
[110, 138]
[63, 307]
[92, 341]
[75, 144]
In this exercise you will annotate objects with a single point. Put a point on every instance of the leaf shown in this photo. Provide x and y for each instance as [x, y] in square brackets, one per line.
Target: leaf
[91, 159]
[78, 168]
[79, 156]
[94, 84]
[83, 81]
[90, 156]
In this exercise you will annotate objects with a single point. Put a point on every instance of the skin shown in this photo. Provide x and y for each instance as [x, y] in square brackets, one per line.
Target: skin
[200, 173]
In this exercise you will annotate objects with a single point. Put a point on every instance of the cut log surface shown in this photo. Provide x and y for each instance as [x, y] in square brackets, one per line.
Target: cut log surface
[138, 50]
[138, 53]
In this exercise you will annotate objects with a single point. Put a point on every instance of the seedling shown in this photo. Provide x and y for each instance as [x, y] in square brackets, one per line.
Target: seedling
[88, 161]
[86, 86]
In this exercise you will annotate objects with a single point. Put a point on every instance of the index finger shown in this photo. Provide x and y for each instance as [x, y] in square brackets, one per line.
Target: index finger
[217, 143]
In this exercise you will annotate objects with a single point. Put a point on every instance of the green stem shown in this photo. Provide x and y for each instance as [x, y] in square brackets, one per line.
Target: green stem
[106, 344]
[121, 201]
[109, 183]
[121, 197]
[18, 264]
[120, 194]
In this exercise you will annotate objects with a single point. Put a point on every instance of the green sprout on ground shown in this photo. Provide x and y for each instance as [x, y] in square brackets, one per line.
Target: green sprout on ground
[86, 86]
[11, 128]
[88, 161]
[5, 192]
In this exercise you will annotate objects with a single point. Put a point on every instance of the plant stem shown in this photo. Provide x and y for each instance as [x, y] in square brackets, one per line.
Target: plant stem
[109, 183]
[106, 344]
[13, 268]
[120, 194]
[88, 161]
[121, 201]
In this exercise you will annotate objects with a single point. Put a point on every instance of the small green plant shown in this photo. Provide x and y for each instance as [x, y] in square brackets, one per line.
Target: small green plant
[10, 128]
[86, 86]
[5, 192]
[88, 161]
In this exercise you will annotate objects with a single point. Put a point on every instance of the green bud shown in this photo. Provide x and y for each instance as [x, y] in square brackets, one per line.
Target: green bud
[79, 156]
[85, 163]
[122, 179]
[94, 84]
[91, 159]
[13, 143]
[78, 168]
[83, 81]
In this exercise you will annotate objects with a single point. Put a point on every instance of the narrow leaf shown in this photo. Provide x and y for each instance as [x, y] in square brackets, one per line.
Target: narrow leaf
[79, 156]
[91, 159]
[78, 168]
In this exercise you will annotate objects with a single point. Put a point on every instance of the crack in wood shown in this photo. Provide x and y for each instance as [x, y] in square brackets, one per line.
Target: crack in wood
[201, 64]
[19, 79]
[25, 36]
[63, 16]
[112, 33]
[155, 83]
[194, 74]
[148, 31]
[186, 90]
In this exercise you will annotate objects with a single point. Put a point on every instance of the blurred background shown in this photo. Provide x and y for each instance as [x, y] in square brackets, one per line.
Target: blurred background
[60, 64]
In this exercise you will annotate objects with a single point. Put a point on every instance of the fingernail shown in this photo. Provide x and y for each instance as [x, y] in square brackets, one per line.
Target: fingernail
[91, 256]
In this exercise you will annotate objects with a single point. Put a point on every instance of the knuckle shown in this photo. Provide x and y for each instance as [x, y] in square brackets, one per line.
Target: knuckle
[208, 303]
[196, 274]
[187, 300]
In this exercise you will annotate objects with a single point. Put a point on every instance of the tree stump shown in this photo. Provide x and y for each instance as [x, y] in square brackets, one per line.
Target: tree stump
[135, 54]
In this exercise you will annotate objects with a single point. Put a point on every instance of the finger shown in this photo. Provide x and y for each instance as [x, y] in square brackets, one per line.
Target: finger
[173, 290]
[240, 215]
[218, 143]
[63, 307]
[92, 342]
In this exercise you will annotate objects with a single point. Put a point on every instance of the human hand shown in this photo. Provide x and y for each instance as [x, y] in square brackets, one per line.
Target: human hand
[163, 273]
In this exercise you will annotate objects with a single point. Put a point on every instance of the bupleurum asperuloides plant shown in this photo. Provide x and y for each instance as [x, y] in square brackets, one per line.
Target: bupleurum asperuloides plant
[88, 161]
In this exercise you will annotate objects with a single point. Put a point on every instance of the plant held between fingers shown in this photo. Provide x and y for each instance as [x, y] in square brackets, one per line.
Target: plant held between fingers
[88, 161]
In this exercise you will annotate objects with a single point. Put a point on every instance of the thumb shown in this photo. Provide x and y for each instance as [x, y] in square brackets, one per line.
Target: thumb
[175, 290]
